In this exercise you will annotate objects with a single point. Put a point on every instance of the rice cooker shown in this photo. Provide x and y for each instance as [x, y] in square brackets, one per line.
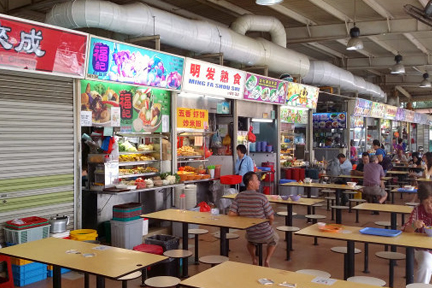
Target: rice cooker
[59, 223]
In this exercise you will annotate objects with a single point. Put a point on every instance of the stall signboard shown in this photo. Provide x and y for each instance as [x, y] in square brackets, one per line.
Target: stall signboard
[377, 110]
[362, 108]
[119, 62]
[390, 112]
[357, 121]
[204, 78]
[329, 120]
[133, 108]
[265, 89]
[294, 115]
[417, 118]
[409, 116]
[192, 118]
[400, 114]
[300, 95]
[33, 46]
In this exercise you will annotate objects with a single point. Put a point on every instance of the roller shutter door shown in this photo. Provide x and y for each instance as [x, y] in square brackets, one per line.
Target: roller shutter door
[36, 146]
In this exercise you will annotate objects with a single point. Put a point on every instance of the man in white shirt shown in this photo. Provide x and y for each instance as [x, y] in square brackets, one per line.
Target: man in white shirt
[345, 164]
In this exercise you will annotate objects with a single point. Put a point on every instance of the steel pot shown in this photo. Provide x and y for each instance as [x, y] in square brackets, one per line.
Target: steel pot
[59, 223]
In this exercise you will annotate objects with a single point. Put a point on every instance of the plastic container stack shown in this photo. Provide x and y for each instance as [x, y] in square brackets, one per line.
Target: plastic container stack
[126, 226]
[26, 229]
[50, 271]
[27, 272]
[127, 212]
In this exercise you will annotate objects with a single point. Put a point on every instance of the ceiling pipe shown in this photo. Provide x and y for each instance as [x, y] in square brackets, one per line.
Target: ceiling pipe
[138, 20]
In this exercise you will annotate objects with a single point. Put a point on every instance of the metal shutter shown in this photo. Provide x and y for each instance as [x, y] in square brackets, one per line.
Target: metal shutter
[37, 153]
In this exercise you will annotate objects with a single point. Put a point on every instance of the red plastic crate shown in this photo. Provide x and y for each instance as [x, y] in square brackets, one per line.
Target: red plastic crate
[231, 179]
[149, 248]
[29, 222]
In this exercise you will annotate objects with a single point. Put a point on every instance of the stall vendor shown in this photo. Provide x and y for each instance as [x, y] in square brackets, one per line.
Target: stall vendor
[243, 164]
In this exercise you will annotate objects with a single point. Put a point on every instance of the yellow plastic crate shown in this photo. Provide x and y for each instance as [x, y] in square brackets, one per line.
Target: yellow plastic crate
[83, 234]
[19, 262]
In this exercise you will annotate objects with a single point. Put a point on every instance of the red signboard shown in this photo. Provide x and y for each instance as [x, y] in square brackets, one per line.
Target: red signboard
[26, 45]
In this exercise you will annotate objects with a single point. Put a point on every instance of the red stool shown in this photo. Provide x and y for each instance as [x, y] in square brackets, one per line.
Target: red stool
[7, 282]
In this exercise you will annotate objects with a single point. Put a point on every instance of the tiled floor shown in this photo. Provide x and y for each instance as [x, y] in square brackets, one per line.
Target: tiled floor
[305, 255]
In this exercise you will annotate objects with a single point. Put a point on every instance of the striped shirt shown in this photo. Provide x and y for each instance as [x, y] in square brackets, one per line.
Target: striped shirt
[253, 204]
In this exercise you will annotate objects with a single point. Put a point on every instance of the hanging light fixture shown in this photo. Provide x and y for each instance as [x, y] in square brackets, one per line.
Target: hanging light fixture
[268, 2]
[425, 83]
[398, 68]
[354, 43]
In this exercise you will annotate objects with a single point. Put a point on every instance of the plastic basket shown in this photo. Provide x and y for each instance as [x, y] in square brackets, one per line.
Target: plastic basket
[126, 219]
[83, 234]
[127, 207]
[27, 281]
[29, 222]
[26, 235]
[231, 179]
[167, 242]
[28, 270]
[19, 262]
[134, 213]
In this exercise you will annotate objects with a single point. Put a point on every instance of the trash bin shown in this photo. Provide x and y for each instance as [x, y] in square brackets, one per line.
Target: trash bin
[289, 190]
[166, 267]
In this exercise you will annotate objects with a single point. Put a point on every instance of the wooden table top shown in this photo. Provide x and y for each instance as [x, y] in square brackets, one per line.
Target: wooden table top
[238, 275]
[112, 262]
[424, 180]
[323, 185]
[384, 208]
[303, 200]
[407, 167]
[398, 172]
[205, 218]
[416, 240]
[353, 177]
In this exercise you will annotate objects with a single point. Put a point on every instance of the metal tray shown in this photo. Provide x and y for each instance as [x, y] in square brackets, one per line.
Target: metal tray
[380, 232]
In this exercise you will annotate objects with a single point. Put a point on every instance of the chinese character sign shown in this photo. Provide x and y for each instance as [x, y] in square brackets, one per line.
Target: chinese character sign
[134, 109]
[205, 78]
[192, 118]
[377, 110]
[300, 95]
[35, 47]
[400, 114]
[390, 112]
[362, 108]
[119, 62]
[264, 89]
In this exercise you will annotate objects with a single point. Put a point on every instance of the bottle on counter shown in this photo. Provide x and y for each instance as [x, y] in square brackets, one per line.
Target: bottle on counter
[183, 202]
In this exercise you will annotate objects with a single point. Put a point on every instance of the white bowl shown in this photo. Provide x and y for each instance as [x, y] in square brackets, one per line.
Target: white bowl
[409, 187]
[351, 184]
[321, 224]
[121, 186]
[428, 231]
[131, 187]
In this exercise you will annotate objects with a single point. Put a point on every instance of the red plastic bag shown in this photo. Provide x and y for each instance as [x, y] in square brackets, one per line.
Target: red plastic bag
[204, 207]
[251, 137]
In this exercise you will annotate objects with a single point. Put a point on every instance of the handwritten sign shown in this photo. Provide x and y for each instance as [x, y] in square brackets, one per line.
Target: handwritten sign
[192, 118]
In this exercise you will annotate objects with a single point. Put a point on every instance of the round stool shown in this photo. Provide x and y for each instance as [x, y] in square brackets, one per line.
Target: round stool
[179, 254]
[315, 218]
[339, 212]
[128, 277]
[367, 280]
[229, 236]
[392, 256]
[316, 205]
[197, 232]
[418, 285]
[314, 272]
[343, 250]
[288, 237]
[413, 204]
[213, 259]
[285, 213]
[162, 282]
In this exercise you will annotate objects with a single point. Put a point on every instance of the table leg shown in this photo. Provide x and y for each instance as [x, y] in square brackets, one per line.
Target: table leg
[338, 216]
[288, 219]
[337, 196]
[223, 241]
[100, 281]
[87, 280]
[409, 265]
[56, 276]
[366, 257]
[350, 259]
[307, 191]
[393, 226]
[185, 245]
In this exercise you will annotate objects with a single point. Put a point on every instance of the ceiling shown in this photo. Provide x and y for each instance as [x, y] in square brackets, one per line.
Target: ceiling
[318, 29]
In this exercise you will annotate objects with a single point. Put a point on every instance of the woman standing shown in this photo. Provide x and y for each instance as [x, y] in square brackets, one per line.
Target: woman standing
[421, 217]
[243, 164]
[353, 152]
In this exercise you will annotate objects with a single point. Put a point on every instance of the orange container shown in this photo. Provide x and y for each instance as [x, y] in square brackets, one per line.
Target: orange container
[217, 171]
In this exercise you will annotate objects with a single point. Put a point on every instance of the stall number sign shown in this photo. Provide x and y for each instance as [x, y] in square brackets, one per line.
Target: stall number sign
[192, 118]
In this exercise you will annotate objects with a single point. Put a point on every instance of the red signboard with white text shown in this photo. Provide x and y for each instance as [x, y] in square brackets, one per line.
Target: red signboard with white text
[32, 46]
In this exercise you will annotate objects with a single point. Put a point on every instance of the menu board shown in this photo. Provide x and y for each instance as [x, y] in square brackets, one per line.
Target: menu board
[390, 112]
[409, 116]
[119, 62]
[329, 120]
[300, 95]
[377, 110]
[362, 108]
[133, 108]
[192, 118]
[204, 78]
[265, 89]
[357, 121]
[294, 115]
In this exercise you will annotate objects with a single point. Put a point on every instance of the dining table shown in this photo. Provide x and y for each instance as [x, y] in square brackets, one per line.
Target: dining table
[224, 222]
[386, 208]
[100, 260]
[232, 274]
[352, 234]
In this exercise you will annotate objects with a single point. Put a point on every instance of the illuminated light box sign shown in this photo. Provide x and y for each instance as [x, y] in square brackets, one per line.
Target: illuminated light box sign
[192, 118]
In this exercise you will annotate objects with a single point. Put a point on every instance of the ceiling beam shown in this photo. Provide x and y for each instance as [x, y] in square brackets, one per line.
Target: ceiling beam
[378, 8]
[368, 28]
[327, 50]
[403, 92]
[331, 10]
[386, 61]
[423, 97]
[383, 45]
[230, 6]
[282, 9]
[417, 43]
[423, 2]
[375, 72]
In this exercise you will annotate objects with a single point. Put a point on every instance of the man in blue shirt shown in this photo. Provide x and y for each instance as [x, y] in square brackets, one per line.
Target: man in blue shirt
[243, 164]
